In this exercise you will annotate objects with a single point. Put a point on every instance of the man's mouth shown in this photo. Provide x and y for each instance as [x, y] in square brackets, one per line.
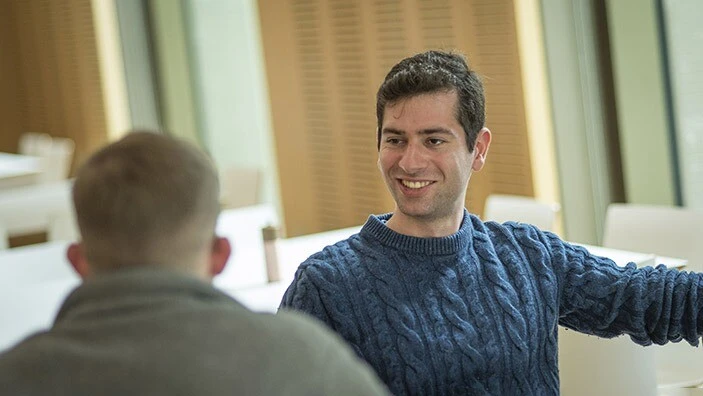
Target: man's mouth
[415, 184]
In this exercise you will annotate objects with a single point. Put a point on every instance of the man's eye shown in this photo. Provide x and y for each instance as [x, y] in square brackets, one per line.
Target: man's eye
[435, 141]
[393, 141]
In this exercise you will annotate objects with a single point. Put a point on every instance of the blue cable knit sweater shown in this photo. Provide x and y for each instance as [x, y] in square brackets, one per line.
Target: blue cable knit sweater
[477, 312]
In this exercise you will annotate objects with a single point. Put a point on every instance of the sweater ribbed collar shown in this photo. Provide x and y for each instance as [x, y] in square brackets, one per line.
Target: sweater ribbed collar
[376, 228]
[141, 284]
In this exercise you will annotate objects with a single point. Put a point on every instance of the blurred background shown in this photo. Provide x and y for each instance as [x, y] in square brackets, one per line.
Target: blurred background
[590, 101]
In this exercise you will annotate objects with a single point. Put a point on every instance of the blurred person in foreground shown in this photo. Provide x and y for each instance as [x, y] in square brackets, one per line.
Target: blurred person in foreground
[440, 302]
[146, 319]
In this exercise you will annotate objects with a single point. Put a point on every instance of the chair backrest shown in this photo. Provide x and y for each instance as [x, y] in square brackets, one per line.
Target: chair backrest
[63, 226]
[4, 238]
[502, 208]
[56, 154]
[240, 187]
[31, 209]
[57, 159]
[665, 231]
[589, 365]
[34, 143]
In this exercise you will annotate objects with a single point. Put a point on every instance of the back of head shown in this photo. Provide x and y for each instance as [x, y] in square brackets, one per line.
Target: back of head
[432, 72]
[146, 199]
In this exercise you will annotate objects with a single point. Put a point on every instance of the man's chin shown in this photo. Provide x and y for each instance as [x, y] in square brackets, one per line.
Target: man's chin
[425, 212]
[422, 213]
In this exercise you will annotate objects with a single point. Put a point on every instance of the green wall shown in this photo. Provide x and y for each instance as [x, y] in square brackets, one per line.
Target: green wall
[640, 97]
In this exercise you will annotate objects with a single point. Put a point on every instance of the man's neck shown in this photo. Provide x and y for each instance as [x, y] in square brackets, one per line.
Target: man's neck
[425, 228]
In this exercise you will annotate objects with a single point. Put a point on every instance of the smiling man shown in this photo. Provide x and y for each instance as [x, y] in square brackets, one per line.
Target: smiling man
[441, 303]
[425, 163]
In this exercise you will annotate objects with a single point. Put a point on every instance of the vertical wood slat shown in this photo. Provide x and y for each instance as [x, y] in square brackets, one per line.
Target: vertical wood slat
[327, 57]
[9, 79]
[496, 58]
[58, 78]
[283, 58]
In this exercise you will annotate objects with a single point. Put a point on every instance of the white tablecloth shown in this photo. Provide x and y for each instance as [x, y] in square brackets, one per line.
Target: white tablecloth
[18, 170]
[35, 279]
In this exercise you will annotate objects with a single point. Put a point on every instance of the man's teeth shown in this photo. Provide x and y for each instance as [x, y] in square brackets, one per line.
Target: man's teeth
[415, 184]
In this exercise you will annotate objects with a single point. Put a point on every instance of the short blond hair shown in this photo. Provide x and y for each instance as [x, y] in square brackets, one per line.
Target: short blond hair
[147, 199]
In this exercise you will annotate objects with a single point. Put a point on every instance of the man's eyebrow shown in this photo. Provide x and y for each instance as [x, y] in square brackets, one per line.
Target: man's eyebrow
[392, 131]
[432, 131]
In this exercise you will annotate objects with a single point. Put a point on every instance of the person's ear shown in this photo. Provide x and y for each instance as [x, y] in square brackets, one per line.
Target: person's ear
[221, 250]
[483, 141]
[76, 257]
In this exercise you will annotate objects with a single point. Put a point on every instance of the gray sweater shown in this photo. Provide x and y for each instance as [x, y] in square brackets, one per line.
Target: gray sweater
[149, 332]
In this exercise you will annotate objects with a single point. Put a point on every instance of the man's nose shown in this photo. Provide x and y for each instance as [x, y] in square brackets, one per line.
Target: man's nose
[413, 159]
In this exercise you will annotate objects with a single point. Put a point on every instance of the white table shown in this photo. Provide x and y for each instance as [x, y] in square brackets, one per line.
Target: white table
[34, 208]
[623, 257]
[291, 252]
[242, 226]
[35, 279]
[245, 267]
[18, 170]
[35, 264]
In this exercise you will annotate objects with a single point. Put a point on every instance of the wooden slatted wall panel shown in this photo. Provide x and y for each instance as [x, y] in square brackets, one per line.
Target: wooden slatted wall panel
[437, 32]
[325, 60]
[389, 32]
[363, 192]
[9, 80]
[322, 94]
[321, 138]
[496, 58]
[285, 41]
[60, 89]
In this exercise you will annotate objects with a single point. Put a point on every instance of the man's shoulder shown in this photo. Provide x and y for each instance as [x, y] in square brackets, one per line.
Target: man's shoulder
[290, 331]
[323, 360]
[299, 326]
[508, 229]
[348, 250]
[20, 363]
[511, 238]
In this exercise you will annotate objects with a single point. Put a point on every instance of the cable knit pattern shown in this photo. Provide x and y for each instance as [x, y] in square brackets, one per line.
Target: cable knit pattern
[477, 312]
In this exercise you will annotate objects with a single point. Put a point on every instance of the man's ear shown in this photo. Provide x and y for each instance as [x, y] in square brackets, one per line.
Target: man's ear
[221, 250]
[483, 141]
[76, 257]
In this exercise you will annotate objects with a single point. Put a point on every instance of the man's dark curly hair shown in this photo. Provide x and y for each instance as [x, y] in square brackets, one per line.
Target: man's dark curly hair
[431, 72]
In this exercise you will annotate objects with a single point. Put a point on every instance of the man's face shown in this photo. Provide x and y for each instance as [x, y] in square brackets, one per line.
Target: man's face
[424, 158]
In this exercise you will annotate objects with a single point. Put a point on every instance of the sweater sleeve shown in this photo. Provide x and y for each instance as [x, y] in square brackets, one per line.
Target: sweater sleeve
[303, 294]
[652, 305]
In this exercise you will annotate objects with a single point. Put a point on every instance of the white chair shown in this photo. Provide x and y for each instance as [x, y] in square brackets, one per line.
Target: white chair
[665, 231]
[589, 365]
[57, 159]
[63, 227]
[239, 187]
[56, 154]
[4, 238]
[31, 209]
[34, 143]
[502, 208]
[682, 392]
